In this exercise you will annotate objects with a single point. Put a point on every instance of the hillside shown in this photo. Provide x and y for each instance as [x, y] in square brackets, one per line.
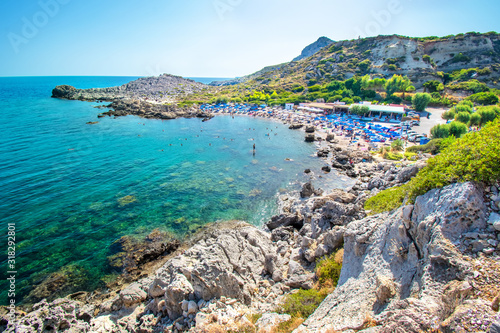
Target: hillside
[421, 59]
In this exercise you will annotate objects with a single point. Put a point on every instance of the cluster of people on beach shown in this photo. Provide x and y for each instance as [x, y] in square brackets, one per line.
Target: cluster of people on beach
[364, 135]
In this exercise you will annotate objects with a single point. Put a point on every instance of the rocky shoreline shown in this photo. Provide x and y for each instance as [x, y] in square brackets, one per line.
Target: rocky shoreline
[424, 267]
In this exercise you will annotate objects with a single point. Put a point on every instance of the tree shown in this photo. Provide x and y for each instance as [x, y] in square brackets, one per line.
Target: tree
[432, 86]
[274, 95]
[397, 83]
[397, 145]
[420, 101]
[359, 109]
[334, 98]
[410, 89]
[347, 100]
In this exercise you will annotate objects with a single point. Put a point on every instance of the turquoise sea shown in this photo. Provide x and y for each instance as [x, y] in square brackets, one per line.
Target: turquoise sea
[72, 189]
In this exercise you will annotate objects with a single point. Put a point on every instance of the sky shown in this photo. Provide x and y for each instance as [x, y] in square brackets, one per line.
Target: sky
[207, 38]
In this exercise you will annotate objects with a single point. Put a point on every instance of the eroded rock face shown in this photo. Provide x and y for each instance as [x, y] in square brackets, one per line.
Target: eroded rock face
[229, 264]
[398, 266]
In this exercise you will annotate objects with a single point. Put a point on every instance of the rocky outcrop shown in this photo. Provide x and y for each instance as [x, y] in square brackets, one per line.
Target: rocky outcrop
[163, 88]
[227, 264]
[152, 110]
[314, 47]
[149, 97]
[405, 270]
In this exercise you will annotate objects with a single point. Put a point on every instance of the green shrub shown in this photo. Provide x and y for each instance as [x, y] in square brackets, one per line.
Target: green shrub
[463, 108]
[328, 271]
[392, 67]
[298, 88]
[475, 119]
[334, 98]
[440, 131]
[449, 115]
[314, 88]
[471, 85]
[397, 145]
[488, 114]
[347, 100]
[484, 98]
[420, 101]
[432, 85]
[364, 65]
[463, 117]
[457, 129]
[356, 99]
[410, 156]
[460, 58]
[303, 303]
[387, 200]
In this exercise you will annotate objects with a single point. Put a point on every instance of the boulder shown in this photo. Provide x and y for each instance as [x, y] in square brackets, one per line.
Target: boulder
[295, 126]
[408, 173]
[310, 129]
[494, 220]
[376, 182]
[285, 220]
[269, 322]
[395, 271]
[310, 137]
[133, 294]
[307, 190]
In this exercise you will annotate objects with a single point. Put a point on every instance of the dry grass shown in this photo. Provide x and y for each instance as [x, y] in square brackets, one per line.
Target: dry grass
[339, 256]
[288, 326]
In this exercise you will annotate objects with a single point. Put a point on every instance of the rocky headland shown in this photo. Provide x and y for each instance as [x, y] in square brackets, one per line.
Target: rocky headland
[428, 267]
[148, 97]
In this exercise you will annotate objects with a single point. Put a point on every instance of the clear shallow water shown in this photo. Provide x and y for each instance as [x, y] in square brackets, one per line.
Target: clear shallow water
[73, 189]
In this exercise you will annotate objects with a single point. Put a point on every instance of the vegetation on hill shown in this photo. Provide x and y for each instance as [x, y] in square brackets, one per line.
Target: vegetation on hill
[378, 69]
[473, 157]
